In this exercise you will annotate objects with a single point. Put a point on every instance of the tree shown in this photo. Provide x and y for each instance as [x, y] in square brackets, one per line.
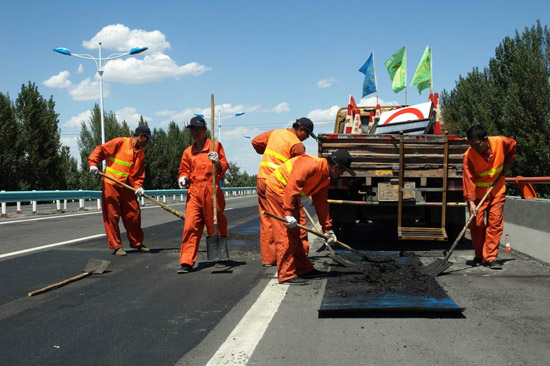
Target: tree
[512, 98]
[40, 138]
[234, 178]
[10, 146]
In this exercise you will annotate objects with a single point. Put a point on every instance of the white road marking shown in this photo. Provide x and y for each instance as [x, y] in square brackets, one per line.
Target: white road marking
[51, 245]
[240, 344]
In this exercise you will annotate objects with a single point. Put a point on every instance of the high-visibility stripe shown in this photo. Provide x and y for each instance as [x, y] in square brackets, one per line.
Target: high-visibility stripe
[111, 170]
[121, 162]
[490, 172]
[280, 177]
[271, 165]
[479, 184]
[276, 155]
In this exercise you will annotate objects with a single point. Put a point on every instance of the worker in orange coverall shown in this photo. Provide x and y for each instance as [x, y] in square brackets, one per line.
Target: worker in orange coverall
[195, 172]
[302, 176]
[277, 147]
[487, 159]
[125, 163]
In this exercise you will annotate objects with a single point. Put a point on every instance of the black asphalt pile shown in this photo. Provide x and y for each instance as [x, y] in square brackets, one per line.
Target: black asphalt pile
[387, 278]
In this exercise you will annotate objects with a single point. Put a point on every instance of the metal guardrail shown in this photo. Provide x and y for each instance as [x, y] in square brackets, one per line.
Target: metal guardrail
[81, 195]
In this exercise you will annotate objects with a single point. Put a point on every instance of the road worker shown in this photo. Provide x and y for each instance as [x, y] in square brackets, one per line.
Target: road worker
[487, 159]
[277, 147]
[126, 163]
[195, 172]
[301, 176]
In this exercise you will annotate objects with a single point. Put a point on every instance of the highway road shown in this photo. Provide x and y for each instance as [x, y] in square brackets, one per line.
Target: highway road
[140, 312]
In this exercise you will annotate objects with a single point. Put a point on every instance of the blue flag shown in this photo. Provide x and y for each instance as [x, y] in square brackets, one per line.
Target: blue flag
[369, 84]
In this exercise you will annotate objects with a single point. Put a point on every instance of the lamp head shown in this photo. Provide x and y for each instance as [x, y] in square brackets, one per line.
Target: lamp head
[63, 51]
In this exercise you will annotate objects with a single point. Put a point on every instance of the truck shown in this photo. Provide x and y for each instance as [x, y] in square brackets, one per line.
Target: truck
[408, 173]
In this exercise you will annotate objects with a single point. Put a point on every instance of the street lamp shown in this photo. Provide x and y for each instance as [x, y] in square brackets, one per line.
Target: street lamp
[100, 64]
[220, 120]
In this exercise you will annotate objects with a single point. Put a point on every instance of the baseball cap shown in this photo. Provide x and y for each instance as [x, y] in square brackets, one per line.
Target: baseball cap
[307, 125]
[196, 121]
[342, 158]
[146, 131]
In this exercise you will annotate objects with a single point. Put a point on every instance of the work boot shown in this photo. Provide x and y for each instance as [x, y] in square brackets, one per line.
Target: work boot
[221, 264]
[314, 273]
[142, 248]
[493, 265]
[120, 251]
[475, 262]
[295, 281]
[185, 268]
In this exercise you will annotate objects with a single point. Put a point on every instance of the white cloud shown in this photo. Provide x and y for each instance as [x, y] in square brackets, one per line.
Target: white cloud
[130, 115]
[80, 68]
[72, 144]
[121, 38]
[152, 68]
[281, 107]
[323, 116]
[77, 120]
[88, 90]
[60, 80]
[325, 83]
[371, 101]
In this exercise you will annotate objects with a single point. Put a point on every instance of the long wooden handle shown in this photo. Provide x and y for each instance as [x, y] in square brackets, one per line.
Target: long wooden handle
[317, 229]
[345, 246]
[59, 284]
[179, 214]
[214, 196]
[461, 234]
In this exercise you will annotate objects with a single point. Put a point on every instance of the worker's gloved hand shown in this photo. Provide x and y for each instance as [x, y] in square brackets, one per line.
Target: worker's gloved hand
[140, 192]
[182, 182]
[93, 170]
[331, 237]
[291, 222]
[213, 156]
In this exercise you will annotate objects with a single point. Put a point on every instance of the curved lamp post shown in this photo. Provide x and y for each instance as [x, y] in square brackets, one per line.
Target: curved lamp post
[220, 120]
[100, 64]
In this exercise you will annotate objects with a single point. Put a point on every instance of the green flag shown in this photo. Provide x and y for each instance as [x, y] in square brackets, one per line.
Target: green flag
[397, 67]
[423, 74]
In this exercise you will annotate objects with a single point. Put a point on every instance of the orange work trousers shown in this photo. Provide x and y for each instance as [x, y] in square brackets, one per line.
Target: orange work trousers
[117, 202]
[292, 259]
[199, 212]
[487, 231]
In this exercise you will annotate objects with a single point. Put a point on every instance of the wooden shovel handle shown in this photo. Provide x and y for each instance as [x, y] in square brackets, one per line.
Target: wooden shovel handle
[179, 214]
[345, 246]
[59, 284]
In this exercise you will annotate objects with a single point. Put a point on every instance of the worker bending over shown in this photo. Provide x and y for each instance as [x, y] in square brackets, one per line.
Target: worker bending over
[125, 163]
[195, 172]
[299, 177]
[487, 159]
[277, 147]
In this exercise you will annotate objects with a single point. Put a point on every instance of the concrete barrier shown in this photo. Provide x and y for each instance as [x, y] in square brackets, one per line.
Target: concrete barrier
[528, 224]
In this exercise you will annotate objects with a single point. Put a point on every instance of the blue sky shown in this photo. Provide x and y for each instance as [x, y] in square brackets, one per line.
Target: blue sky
[276, 61]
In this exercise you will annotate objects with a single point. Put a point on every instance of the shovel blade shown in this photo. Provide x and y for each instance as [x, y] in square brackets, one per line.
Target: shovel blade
[436, 268]
[342, 261]
[96, 266]
[216, 248]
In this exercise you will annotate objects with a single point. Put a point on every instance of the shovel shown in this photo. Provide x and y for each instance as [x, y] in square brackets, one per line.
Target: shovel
[97, 266]
[439, 266]
[332, 254]
[167, 208]
[216, 246]
[345, 246]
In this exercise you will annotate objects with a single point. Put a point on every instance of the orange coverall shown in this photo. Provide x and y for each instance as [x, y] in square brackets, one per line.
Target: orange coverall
[282, 146]
[304, 175]
[479, 172]
[126, 164]
[199, 209]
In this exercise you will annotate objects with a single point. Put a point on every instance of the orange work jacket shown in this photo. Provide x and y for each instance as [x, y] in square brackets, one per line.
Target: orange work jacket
[480, 172]
[196, 165]
[303, 176]
[125, 163]
[278, 150]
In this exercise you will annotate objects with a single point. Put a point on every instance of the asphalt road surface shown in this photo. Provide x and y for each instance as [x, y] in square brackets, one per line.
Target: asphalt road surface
[140, 312]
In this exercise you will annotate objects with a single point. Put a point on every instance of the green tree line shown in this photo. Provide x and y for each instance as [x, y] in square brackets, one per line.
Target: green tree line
[510, 97]
[33, 158]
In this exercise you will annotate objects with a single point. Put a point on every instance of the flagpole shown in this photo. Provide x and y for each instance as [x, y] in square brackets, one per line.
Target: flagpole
[375, 81]
[431, 70]
[405, 75]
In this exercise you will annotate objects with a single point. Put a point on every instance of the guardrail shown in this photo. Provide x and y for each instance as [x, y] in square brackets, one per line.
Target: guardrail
[39, 196]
